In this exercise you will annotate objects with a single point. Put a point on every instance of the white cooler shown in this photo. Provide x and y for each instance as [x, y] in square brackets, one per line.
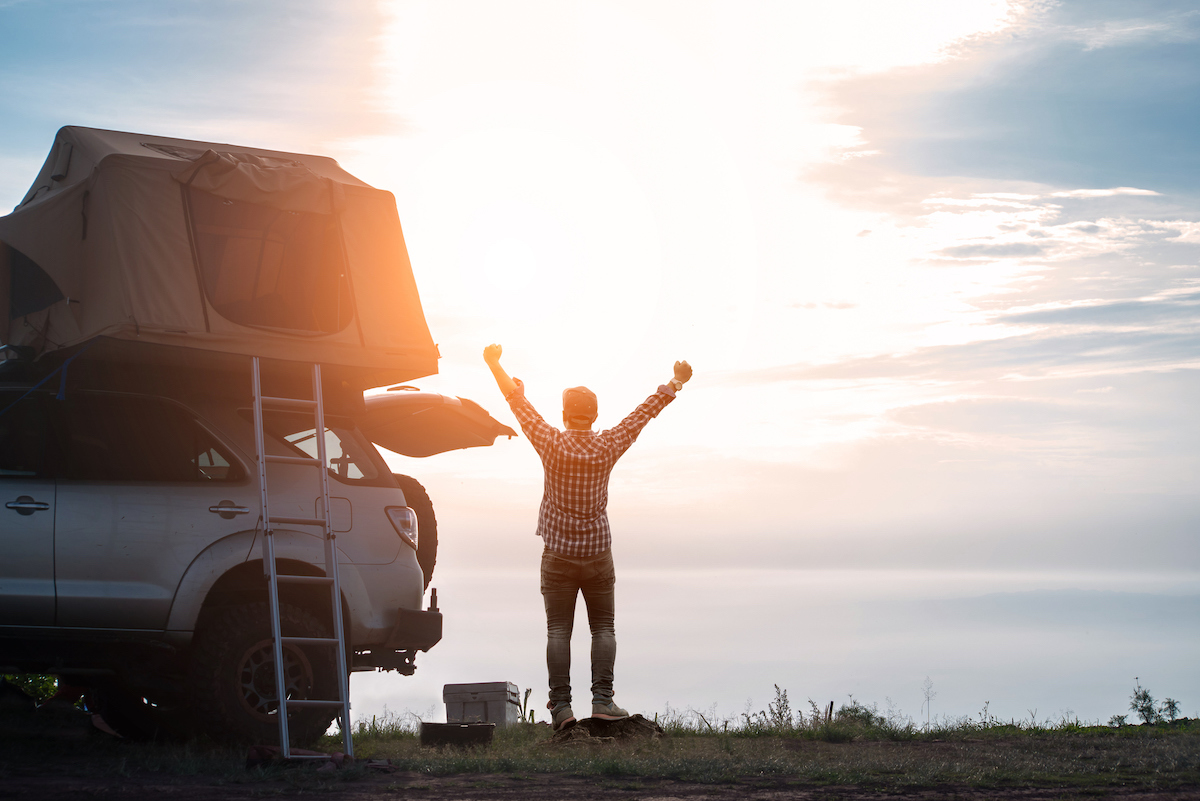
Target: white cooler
[487, 702]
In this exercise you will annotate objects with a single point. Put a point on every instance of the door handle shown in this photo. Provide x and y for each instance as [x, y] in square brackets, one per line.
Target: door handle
[25, 505]
[228, 510]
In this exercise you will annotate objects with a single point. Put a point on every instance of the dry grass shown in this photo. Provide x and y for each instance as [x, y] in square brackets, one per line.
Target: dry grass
[1158, 757]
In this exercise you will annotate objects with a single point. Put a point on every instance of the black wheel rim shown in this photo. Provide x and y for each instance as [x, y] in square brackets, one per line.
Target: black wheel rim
[256, 678]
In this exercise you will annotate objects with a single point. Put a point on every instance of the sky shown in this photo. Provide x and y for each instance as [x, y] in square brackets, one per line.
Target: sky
[936, 266]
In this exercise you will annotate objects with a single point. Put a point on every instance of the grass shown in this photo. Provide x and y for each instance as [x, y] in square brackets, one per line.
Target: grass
[854, 745]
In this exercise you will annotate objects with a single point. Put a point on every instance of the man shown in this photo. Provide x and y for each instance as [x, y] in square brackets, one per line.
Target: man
[573, 522]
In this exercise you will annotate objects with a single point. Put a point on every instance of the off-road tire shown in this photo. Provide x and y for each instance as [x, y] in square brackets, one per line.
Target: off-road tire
[418, 500]
[134, 717]
[232, 675]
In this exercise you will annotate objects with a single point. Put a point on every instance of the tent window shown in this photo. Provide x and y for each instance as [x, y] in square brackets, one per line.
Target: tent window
[30, 288]
[269, 267]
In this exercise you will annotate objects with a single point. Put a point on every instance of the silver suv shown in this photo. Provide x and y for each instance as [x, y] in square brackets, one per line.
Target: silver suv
[131, 543]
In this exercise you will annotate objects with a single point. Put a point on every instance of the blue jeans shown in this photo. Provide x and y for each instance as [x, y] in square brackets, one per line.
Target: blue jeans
[563, 577]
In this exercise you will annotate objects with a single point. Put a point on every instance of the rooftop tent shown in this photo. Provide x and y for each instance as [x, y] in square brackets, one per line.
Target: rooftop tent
[213, 247]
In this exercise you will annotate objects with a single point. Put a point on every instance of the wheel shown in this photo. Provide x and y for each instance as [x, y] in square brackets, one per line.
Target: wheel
[418, 500]
[136, 716]
[233, 675]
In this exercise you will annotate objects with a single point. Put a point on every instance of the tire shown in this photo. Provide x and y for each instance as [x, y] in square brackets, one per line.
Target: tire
[418, 500]
[136, 717]
[233, 675]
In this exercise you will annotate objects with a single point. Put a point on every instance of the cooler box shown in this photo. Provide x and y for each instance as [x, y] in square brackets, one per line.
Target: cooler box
[487, 702]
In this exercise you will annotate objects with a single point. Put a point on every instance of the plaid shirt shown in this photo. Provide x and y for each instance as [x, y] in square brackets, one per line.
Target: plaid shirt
[573, 519]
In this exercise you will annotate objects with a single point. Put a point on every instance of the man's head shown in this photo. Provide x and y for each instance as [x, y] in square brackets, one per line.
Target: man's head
[579, 408]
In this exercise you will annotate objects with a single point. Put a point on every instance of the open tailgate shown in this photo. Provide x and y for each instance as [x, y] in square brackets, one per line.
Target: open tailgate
[424, 423]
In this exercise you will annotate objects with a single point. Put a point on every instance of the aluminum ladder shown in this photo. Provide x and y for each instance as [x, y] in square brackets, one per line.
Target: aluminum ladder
[274, 577]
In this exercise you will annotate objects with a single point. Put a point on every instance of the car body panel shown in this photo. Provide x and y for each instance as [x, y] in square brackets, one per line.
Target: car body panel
[121, 549]
[27, 542]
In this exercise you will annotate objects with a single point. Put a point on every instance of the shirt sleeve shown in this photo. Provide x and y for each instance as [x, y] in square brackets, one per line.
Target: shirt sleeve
[540, 433]
[625, 433]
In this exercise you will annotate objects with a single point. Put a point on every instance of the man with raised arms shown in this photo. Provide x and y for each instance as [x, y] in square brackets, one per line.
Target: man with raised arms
[573, 523]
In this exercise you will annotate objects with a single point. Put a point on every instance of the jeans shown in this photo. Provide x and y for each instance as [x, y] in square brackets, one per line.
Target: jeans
[562, 579]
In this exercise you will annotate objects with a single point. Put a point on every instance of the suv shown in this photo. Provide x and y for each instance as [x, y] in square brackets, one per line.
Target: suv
[132, 544]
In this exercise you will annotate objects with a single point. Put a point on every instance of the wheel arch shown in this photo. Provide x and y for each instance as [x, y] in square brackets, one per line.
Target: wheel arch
[225, 573]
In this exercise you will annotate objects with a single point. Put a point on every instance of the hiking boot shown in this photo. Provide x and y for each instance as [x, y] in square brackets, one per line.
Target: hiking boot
[609, 711]
[562, 718]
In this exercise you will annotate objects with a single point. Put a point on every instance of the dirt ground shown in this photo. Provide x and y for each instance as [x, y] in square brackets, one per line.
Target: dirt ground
[495, 787]
[61, 755]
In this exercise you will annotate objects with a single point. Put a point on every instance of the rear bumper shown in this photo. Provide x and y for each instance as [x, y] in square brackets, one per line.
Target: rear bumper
[415, 630]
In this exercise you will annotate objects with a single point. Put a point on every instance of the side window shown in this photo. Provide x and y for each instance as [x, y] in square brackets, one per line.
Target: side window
[128, 438]
[345, 458]
[348, 459]
[23, 446]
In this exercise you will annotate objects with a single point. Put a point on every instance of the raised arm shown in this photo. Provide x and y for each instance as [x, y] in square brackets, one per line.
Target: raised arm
[491, 355]
[626, 432]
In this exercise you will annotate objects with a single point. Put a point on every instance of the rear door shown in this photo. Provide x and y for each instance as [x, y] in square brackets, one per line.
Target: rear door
[27, 519]
[144, 488]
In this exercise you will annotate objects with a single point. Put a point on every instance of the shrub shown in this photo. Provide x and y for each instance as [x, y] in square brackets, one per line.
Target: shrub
[1142, 702]
[1169, 709]
[35, 685]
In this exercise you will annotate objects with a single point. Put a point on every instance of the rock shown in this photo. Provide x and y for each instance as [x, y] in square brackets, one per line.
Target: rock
[594, 731]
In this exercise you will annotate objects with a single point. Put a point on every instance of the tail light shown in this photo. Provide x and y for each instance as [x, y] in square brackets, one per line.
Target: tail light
[405, 522]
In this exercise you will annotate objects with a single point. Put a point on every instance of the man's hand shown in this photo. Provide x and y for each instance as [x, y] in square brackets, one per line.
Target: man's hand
[683, 371]
[491, 355]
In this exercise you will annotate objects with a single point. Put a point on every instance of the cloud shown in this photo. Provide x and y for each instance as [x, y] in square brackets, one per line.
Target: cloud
[1059, 103]
[1001, 251]
[1020, 416]
[1142, 313]
[1024, 356]
[834, 305]
[1167, 22]
[1120, 190]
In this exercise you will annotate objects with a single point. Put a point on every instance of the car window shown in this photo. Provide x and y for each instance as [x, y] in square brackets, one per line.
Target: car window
[22, 437]
[131, 438]
[348, 458]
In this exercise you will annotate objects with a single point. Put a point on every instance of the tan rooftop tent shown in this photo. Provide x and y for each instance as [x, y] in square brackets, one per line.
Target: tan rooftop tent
[212, 247]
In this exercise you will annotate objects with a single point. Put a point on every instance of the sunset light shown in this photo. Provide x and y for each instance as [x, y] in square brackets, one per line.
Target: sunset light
[936, 265]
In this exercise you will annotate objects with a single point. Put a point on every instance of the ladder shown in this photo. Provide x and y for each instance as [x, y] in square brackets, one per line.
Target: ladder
[275, 578]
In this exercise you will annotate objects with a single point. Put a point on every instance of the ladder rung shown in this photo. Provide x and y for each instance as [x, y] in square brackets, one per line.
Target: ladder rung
[299, 521]
[306, 702]
[308, 756]
[305, 460]
[293, 579]
[289, 403]
[310, 640]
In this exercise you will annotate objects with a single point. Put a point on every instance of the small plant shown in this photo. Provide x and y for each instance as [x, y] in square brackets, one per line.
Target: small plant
[857, 713]
[985, 717]
[1117, 721]
[779, 711]
[526, 712]
[1169, 709]
[1142, 702]
[927, 705]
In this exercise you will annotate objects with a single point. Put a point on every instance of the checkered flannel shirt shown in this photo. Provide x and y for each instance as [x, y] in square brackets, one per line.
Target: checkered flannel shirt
[573, 519]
